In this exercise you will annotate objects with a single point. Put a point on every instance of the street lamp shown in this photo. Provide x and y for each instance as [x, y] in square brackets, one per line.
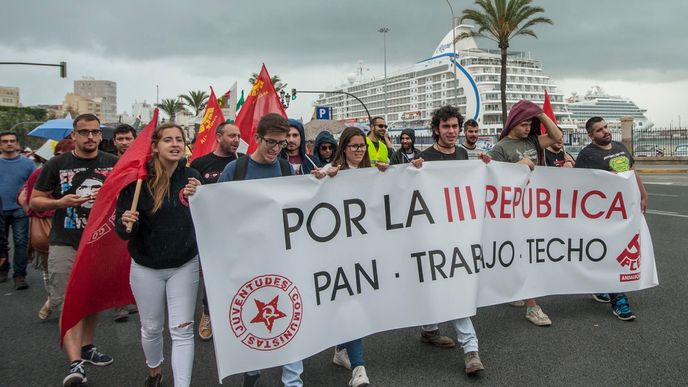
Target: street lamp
[285, 97]
[384, 31]
[453, 57]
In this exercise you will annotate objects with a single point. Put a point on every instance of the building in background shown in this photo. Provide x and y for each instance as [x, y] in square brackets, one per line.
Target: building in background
[76, 104]
[9, 96]
[597, 102]
[101, 92]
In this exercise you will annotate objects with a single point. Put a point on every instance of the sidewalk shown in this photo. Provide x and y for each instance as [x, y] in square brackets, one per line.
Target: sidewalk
[642, 167]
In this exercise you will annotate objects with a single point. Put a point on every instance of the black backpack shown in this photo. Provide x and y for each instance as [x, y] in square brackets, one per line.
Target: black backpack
[242, 166]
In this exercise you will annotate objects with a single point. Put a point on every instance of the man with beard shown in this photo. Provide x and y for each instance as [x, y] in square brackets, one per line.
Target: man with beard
[51, 192]
[295, 152]
[379, 145]
[612, 156]
[408, 151]
[556, 156]
[210, 166]
[122, 137]
[470, 140]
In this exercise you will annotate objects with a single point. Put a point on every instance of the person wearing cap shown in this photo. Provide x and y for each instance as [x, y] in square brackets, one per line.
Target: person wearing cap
[408, 151]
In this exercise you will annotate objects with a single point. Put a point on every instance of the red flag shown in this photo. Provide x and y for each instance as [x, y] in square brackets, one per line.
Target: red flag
[205, 139]
[100, 275]
[261, 100]
[547, 108]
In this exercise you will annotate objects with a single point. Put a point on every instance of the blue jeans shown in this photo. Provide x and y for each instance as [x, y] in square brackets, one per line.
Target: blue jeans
[291, 374]
[19, 222]
[355, 351]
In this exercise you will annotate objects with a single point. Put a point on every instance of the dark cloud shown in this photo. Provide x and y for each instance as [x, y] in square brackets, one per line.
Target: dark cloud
[602, 39]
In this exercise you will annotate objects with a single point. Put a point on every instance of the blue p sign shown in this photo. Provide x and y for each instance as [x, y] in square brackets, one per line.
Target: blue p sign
[322, 112]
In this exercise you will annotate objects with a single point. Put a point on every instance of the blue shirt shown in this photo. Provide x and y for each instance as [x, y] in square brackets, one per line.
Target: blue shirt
[13, 174]
[255, 170]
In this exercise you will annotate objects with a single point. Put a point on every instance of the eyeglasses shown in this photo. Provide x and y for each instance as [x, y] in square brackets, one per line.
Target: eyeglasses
[356, 147]
[381, 126]
[86, 132]
[271, 143]
[325, 147]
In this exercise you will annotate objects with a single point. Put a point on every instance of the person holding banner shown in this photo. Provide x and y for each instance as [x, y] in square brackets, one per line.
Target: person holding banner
[446, 125]
[612, 156]
[264, 162]
[408, 151]
[520, 143]
[295, 152]
[162, 244]
[210, 166]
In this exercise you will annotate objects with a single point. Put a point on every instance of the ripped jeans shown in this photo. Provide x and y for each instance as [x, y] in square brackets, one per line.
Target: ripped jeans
[177, 287]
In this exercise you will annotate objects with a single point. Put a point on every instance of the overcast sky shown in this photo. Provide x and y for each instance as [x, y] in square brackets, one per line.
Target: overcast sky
[633, 48]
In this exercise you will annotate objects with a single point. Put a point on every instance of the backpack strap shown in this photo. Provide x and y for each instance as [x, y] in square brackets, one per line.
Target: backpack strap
[241, 168]
[284, 166]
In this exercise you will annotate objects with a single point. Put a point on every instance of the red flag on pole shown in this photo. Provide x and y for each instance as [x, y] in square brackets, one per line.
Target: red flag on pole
[262, 99]
[547, 108]
[100, 275]
[212, 118]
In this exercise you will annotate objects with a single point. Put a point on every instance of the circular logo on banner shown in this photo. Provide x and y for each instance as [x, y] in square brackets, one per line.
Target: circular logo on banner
[266, 312]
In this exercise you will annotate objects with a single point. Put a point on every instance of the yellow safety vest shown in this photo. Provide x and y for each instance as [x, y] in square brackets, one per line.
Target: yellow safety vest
[378, 155]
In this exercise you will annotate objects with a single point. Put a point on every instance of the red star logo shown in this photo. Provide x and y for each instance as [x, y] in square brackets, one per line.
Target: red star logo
[268, 313]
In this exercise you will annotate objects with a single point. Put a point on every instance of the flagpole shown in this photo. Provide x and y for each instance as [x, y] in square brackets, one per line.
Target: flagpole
[135, 203]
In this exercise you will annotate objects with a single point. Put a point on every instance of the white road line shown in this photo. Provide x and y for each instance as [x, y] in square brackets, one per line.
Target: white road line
[658, 182]
[666, 213]
[664, 195]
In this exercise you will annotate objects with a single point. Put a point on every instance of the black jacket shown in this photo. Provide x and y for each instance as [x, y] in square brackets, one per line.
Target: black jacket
[165, 239]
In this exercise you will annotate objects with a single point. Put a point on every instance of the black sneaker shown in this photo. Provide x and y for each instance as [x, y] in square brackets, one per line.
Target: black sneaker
[602, 297]
[621, 309]
[250, 380]
[154, 381]
[91, 355]
[76, 376]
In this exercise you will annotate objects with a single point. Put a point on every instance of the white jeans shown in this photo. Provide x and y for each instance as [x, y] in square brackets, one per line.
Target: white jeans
[178, 286]
[465, 333]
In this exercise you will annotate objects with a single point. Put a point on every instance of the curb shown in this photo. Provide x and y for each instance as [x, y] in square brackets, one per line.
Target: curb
[662, 170]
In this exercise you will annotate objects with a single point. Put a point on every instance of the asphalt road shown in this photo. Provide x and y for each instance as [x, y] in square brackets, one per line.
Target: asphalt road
[585, 346]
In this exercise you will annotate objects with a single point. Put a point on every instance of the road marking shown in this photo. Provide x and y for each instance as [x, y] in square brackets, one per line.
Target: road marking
[664, 195]
[666, 213]
[659, 182]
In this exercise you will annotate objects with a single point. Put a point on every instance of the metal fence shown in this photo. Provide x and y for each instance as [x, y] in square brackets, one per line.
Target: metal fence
[661, 142]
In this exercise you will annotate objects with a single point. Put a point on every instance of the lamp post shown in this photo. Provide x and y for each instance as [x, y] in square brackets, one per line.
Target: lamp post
[453, 57]
[285, 97]
[384, 31]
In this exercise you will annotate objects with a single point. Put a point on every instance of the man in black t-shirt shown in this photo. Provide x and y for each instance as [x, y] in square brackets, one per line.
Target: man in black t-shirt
[69, 184]
[607, 155]
[210, 167]
[556, 156]
[446, 125]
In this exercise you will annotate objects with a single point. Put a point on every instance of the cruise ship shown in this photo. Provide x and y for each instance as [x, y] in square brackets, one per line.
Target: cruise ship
[598, 103]
[414, 92]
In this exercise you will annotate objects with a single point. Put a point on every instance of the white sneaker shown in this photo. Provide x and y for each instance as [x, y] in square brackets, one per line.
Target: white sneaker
[359, 377]
[536, 316]
[341, 358]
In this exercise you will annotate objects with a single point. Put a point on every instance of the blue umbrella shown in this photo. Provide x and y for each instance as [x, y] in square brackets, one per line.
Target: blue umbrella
[61, 128]
[53, 129]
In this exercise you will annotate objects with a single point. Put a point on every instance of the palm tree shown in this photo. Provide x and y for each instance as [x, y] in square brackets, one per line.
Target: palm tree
[195, 100]
[171, 106]
[502, 20]
[276, 81]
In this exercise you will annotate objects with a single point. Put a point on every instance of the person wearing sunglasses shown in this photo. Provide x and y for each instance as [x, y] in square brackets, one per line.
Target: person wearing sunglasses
[325, 148]
[379, 145]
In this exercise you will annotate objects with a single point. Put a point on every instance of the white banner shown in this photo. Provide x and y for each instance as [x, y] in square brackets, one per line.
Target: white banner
[295, 265]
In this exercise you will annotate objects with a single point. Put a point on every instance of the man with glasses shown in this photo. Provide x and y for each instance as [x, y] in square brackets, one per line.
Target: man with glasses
[379, 145]
[15, 169]
[210, 166]
[54, 191]
[264, 162]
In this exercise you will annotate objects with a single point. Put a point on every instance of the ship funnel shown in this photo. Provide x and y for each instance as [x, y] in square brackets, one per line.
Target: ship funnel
[446, 45]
